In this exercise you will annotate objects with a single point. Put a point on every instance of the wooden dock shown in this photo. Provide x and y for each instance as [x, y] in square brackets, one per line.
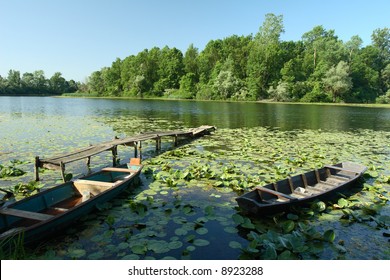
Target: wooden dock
[58, 162]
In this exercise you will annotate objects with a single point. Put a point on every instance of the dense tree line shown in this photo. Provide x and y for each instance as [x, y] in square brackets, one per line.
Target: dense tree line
[318, 68]
[35, 84]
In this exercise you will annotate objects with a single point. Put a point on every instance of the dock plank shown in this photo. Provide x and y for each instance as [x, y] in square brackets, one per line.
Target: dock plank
[58, 162]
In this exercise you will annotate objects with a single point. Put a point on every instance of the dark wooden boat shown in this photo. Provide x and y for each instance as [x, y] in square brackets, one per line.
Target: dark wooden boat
[47, 212]
[301, 189]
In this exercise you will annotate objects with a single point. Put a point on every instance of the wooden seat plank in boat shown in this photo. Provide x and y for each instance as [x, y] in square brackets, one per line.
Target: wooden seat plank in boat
[94, 183]
[278, 194]
[115, 169]
[88, 187]
[340, 169]
[25, 214]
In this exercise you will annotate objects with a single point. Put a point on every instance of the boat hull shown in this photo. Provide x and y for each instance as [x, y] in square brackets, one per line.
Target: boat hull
[301, 189]
[63, 205]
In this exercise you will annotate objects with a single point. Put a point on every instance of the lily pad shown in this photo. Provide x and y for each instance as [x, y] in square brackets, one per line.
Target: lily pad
[77, 253]
[131, 257]
[158, 246]
[96, 256]
[202, 231]
[230, 229]
[288, 226]
[181, 231]
[201, 242]
[235, 245]
[139, 249]
[329, 235]
[175, 245]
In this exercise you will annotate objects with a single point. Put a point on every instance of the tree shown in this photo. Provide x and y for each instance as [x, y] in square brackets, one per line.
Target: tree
[381, 42]
[190, 61]
[226, 85]
[337, 80]
[96, 82]
[208, 58]
[170, 70]
[3, 85]
[264, 62]
[14, 82]
[353, 46]
[58, 84]
[281, 92]
[188, 84]
[112, 78]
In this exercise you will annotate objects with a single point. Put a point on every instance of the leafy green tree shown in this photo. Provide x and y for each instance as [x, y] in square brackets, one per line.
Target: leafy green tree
[263, 62]
[188, 84]
[226, 85]
[208, 59]
[148, 66]
[353, 46]
[58, 84]
[28, 83]
[322, 50]
[281, 92]
[381, 42]
[190, 61]
[337, 80]
[386, 76]
[112, 78]
[96, 83]
[3, 85]
[14, 82]
[170, 71]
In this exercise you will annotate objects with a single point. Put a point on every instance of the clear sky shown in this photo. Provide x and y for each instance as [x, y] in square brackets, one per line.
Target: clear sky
[77, 37]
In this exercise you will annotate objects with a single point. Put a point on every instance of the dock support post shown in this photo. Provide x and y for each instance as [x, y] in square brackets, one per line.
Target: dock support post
[114, 151]
[176, 141]
[135, 149]
[140, 149]
[62, 166]
[36, 168]
[158, 143]
[88, 161]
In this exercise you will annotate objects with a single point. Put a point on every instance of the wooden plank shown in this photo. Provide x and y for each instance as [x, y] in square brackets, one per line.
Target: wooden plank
[25, 214]
[304, 179]
[339, 178]
[341, 169]
[76, 155]
[94, 183]
[115, 169]
[278, 194]
[59, 162]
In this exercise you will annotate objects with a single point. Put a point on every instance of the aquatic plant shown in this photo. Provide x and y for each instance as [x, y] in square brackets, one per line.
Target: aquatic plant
[11, 170]
[185, 207]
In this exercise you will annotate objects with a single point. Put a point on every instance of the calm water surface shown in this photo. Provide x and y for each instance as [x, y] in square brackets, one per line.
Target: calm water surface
[192, 113]
[45, 126]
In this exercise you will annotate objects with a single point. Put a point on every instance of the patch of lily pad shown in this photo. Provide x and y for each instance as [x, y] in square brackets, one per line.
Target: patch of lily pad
[185, 207]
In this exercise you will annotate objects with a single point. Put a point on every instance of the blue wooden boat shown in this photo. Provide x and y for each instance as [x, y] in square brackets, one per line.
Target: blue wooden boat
[45, 213]
[301, 189]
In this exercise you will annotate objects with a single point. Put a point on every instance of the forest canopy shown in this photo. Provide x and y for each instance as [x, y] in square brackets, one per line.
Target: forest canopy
[318, 68]
[35, 84]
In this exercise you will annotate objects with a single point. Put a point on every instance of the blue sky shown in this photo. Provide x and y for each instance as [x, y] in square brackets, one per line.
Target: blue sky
[77, 37]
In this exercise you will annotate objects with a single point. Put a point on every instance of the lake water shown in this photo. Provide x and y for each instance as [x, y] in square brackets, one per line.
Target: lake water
[192, 113]
[251, 139]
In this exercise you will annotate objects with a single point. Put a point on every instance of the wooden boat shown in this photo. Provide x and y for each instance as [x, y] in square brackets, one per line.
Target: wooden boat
[301, 189]
[47, 212]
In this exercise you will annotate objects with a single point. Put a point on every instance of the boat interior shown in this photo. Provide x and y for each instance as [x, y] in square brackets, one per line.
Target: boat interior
[60, 199]
[304, 185]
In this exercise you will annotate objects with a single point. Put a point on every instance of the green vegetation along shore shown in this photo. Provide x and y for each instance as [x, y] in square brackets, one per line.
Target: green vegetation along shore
[318, 68]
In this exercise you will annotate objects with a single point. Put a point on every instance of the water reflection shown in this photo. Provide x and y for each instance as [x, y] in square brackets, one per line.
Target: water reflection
[193, 113]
